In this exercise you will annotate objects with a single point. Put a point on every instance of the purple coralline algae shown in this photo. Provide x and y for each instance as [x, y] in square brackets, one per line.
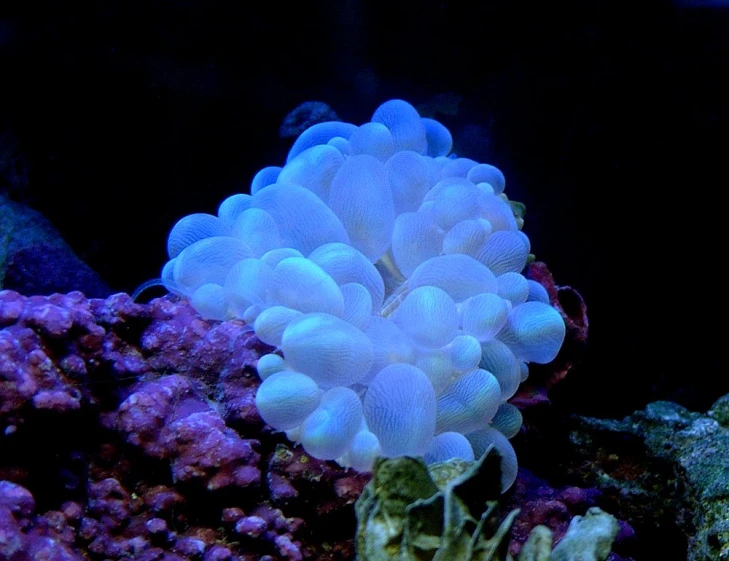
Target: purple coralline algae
[165, 456]
[168, 419]
[130, 431]
[540, 503]
[26, 536]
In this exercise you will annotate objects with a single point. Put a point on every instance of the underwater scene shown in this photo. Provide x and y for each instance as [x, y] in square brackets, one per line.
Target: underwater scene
[374, 281]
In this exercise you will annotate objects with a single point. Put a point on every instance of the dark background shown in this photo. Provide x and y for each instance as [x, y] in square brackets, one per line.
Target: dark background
[608, 118]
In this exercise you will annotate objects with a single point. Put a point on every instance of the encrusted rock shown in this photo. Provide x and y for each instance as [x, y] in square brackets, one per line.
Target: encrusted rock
[672, 465]
[589, 537]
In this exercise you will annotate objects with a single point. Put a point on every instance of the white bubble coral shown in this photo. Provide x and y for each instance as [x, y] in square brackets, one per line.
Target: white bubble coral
[388, 274]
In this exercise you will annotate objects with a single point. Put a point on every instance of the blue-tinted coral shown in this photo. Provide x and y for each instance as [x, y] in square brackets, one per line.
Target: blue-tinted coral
[387, 272]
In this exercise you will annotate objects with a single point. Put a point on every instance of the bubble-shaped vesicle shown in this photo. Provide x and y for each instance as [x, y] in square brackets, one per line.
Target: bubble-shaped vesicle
[295, 209]
[247, 283]
[484, 315]
[455, 203]
[498, 359]
[446, 446]
[345, 264]
[341, 144]
[331, 351]
[389, 345]
[438, 366]
[193, 228]
[504, 252]
[482, 439]
[440, 141]
[467, 237]
[259, 230]
[428, 315]
[485, 173]
[267, 176]
[321, 133]
[535, 332]
[415, 239]
[537, 293]
[363, 451]
[469, 403]
[231, 207]
[275, 256]
[357, 304]
[211, 300]
[409, 179]
[405, 124]
[272, 322]
[329, 430]
[460, 276]
[314, 169]
[388, 274]
[207, 261]
[465, 352]
[270, 364]
[399, 408]
[457, 167]
[497, 212]
[508, 420]
[373, 139]
[285, 399]
[302, 285]
[513, 287]
[361, 197]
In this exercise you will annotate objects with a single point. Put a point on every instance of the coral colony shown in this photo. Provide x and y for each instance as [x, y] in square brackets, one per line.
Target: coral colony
[387, 273]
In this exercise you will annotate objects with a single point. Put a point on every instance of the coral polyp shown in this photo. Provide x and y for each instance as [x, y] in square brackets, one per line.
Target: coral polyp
[387, 272]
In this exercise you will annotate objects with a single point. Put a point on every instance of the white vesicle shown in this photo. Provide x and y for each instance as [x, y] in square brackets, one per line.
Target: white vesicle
[389, 273]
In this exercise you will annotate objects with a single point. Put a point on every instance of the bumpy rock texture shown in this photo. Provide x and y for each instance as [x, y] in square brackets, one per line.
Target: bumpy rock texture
[134, 428]
[131, 430]
[672, 464]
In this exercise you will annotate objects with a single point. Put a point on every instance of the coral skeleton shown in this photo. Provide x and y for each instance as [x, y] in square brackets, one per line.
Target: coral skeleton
[387, 273]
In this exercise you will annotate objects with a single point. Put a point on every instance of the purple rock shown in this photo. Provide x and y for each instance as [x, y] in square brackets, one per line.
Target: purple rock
[11, 306]
[109, 501]
[252, 526]
[169, 419]
[288, 549]
[161, 499]
[49, 549]
[72, 511]
[11, 537]
[48, 541]
[156, 526]
[232, 514]
[57, 400]
[218, 553]
[190, 547]
[17, 499]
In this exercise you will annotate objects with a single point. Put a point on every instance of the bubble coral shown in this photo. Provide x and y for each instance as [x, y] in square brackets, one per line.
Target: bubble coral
[387, 272]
